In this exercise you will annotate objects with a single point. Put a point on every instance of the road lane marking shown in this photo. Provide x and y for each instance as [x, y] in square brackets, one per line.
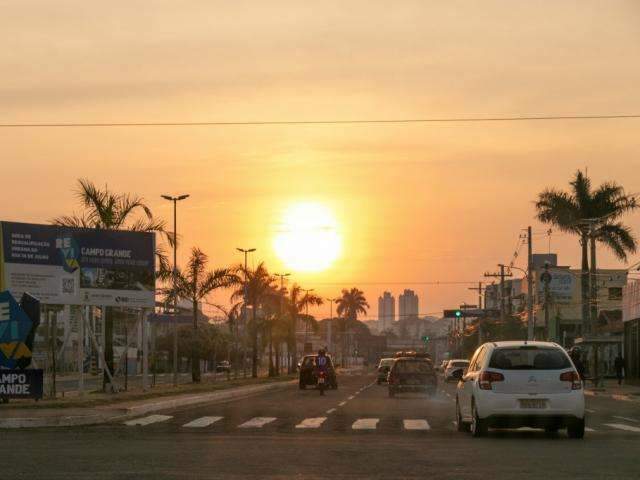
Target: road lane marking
[257, 422]
[622, 426]
[626, 418]
[330, 411]
[311, 422]
[416, 424]
[365, 424]
[342, 404]
[351, 397]
[625, 398]
[202, 422]
[148, 420]
[587, 429]
[588, 410]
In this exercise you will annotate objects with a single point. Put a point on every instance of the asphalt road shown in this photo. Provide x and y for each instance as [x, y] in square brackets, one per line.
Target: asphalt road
[354, 432]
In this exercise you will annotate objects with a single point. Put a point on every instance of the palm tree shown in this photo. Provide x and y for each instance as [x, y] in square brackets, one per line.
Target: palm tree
[593, 216]
[349, 306]
[109, 210]
[298, 301]
[194, 284]
[258, 285]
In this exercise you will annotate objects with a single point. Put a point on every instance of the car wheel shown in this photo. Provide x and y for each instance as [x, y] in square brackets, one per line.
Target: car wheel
[302, 385]
[479, 427]
[391, 393]
[379, 382]
[462, 427]
[576, 429]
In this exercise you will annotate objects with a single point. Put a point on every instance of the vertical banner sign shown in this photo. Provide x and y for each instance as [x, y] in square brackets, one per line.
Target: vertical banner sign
[78, 266]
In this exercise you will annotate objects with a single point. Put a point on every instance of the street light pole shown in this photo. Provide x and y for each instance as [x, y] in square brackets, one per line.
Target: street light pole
[245, 251]
[330, 325]
[175, 201]
[282, 277]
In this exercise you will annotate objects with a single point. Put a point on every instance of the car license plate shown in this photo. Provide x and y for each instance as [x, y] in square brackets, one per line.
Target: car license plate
[533, 403]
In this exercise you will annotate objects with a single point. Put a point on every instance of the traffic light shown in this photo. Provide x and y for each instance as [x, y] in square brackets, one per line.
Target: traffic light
[425, 339]
[458, 313]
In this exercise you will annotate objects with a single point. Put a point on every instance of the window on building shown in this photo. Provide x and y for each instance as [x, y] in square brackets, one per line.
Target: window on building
[615, 293]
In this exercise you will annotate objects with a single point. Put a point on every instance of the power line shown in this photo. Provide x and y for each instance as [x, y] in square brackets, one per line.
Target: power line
[320, 122]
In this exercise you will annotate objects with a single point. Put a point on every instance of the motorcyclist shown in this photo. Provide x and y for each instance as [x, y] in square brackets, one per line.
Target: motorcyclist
[322, 362]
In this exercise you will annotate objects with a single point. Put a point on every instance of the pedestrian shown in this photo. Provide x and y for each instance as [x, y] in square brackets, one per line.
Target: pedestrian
[619, 366]
[577, 361]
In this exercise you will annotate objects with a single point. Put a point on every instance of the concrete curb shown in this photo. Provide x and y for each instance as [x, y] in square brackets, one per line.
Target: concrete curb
[117, 414]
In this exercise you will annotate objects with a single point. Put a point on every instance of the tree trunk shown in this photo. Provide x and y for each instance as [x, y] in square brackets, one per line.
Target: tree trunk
[594, 286]
[254, 341]
[108, 344]
[584, 243]
[271, 368]
[278, 353]
[294, 345]
[195, 361]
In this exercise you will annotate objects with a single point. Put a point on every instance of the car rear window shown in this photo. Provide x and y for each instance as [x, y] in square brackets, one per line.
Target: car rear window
[412, 366]
[459, 364]
[529, 358]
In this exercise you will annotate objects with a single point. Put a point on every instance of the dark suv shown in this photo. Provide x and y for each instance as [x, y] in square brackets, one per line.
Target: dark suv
[412, 374]
[308, 374]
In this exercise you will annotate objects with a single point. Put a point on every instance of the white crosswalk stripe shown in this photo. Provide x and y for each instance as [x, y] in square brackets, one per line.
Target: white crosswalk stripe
[587, 429]
[626, 419]
[312, 422]
[365, 424]
[202, 422]
[622, 426]
[148, 420]
[257, 422]
[416, 424]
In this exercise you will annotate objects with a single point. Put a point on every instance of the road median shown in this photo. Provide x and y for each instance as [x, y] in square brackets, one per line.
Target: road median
[90, 412]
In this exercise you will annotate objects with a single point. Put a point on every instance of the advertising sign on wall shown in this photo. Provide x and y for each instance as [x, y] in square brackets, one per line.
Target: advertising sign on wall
[561, 285]
[78, 266]
[21, 383]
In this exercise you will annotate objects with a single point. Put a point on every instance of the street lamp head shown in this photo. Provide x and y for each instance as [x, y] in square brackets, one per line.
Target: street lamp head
[182, 197]
[167, 197]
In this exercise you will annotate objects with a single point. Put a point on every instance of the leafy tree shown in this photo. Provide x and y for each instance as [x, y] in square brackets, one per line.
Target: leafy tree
[194, 284]
[579, 208]
[298, 301]
[351, 304]
[109, 210]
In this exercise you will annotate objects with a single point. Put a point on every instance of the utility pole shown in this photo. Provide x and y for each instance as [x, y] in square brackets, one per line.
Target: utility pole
[175, 201]
[245, 251]
[501, 276]
[479, 288]
[552, 334]
[330, 325]
[530, 319]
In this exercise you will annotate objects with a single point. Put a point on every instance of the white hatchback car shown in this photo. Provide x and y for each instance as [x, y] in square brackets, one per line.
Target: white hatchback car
[520, 384]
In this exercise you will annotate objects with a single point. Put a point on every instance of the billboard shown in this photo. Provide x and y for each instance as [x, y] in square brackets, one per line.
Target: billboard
[78, 266]
[561, 285]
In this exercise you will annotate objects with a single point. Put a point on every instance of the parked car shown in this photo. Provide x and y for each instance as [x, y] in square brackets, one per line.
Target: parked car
[521, 384]
[308, 376]
[412, 374]
[223, 366]
[383, 369]
[455, 369]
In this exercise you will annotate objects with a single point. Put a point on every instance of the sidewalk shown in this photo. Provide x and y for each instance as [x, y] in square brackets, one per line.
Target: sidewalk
[69, 414]
[613, 390]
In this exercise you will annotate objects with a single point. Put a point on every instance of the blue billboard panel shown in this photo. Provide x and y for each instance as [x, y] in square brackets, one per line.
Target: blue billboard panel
[78, 266]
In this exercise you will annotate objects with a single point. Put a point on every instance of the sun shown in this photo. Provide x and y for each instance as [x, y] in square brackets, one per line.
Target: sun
[308, 239]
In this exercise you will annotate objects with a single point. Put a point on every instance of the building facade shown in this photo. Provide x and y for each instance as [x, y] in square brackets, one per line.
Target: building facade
[408, 304]
[386, 311]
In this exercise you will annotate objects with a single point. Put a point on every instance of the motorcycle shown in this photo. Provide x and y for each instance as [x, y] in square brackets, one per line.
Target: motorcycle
[322, 381]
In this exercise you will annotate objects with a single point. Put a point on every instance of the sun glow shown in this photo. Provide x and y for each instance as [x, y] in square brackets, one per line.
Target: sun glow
[308, 239]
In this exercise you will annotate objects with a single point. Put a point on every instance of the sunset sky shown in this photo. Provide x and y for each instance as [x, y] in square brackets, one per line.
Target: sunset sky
[412, 203]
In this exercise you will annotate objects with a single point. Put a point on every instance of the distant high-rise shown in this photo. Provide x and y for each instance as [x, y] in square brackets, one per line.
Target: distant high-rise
[386, 311]
[408, 304]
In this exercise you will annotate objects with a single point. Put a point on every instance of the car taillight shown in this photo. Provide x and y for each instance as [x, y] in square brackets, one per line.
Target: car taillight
[574, 378]
[487, 378]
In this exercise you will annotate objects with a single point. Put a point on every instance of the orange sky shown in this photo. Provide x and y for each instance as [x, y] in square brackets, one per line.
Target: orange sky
[416, 203]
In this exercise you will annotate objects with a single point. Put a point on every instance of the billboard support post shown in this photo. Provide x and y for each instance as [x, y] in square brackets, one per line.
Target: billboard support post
[100, 351]
[145, 351]
[81, 351]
